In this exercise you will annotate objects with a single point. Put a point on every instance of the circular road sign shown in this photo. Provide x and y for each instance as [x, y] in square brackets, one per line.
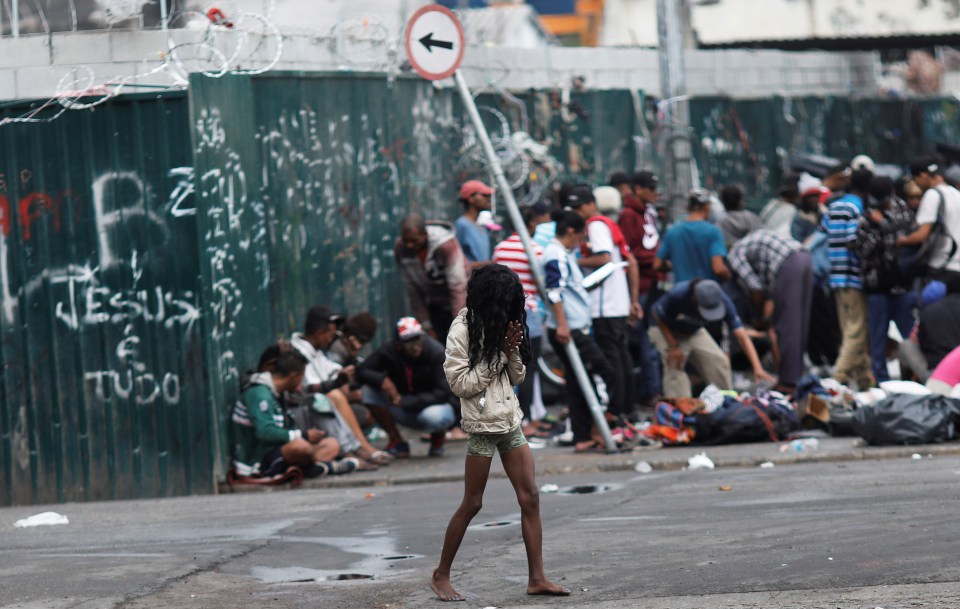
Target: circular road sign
[434, 42]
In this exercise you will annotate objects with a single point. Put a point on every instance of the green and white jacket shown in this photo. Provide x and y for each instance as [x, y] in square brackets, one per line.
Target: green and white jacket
[258, 424]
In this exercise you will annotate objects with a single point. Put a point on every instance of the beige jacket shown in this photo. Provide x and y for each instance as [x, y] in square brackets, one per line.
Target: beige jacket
[487, 401]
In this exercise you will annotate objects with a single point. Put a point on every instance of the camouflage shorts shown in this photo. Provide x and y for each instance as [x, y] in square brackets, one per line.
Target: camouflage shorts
[483, 444]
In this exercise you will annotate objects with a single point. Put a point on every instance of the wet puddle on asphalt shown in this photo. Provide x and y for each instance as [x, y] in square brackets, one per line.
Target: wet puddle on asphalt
[496, 524]
[379, 559]
[588, 489]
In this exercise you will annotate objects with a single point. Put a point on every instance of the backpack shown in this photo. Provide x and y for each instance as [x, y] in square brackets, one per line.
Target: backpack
[751, 419]
[615, 233]
[917, 261]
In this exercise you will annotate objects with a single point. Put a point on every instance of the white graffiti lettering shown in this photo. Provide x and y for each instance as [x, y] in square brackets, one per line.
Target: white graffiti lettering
[182, 193]
[210, 131]
[143, 387]
[9, 304]
[92, 305]
[125, 207]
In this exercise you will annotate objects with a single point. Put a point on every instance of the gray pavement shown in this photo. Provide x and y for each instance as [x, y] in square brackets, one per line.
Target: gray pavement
[845, 526]
[552, 459]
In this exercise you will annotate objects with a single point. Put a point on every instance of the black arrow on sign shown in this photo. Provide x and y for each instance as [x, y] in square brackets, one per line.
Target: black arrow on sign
[428, 42]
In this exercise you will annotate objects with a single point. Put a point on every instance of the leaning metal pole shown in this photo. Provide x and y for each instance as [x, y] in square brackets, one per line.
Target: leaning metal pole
[572, 354]
[674, 107]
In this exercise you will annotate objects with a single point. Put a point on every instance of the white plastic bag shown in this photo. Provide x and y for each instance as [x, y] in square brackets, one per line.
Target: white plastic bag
[700, 461]
[43, 519]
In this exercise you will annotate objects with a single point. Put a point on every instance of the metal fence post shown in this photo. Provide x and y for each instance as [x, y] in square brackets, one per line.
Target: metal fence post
[572, 354]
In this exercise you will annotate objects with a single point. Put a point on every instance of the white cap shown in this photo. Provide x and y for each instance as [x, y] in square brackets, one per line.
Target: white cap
[807, 182]
[862, 161]
[485, 219]
[608, 199]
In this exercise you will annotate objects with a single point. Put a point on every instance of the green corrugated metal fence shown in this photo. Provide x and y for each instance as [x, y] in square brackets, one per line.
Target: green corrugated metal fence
[100, 307]
[151, 249]
[749, 141]
[303, 181]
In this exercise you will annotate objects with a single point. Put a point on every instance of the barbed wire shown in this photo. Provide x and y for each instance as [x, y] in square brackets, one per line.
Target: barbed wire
[366, 43]
[528, 166]
[225, 40]
[213, 44]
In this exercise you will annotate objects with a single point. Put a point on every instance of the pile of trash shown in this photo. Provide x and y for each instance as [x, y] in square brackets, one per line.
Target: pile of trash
[898, 412]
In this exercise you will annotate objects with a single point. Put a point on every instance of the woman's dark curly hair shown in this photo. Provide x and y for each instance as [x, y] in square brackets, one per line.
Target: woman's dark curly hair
[494, 299]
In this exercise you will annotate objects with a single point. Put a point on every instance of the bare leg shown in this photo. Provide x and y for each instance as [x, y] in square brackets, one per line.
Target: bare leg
[476, 469]
[518, 463]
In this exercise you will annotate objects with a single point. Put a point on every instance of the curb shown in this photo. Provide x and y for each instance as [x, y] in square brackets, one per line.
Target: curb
[605, 464]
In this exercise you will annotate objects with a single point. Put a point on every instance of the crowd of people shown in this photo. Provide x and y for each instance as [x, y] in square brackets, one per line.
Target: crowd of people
[846, 274]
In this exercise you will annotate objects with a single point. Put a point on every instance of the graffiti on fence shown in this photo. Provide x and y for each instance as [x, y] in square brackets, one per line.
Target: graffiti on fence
[109, 290]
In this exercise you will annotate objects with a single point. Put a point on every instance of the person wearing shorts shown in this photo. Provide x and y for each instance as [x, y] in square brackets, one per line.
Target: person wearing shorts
[486, 444]
[482, 372]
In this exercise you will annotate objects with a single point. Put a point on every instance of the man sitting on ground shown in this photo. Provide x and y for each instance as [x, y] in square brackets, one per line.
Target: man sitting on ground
[326, 381]
[404, 383]
[358, 331]
[264, 446]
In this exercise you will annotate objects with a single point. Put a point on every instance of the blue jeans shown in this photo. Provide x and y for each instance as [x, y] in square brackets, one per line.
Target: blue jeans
[435, 418]
[646, 360]
[881, 310]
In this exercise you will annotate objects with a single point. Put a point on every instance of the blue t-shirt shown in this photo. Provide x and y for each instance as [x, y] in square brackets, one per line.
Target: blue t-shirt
[677, 310]
[474, 241]
[689, 246]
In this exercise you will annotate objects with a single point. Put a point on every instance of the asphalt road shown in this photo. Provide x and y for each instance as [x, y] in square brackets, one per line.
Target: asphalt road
[862, 534]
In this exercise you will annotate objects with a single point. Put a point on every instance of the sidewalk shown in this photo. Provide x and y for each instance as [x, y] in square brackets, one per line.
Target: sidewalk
[554, 460]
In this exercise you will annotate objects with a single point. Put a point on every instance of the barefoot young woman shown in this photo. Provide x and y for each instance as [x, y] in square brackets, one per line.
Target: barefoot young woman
[487, 353]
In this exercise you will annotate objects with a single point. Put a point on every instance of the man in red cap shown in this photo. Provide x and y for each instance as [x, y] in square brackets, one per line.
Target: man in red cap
[473, 238]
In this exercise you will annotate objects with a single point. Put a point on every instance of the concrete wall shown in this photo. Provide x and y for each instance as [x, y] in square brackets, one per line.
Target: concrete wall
[32, 66]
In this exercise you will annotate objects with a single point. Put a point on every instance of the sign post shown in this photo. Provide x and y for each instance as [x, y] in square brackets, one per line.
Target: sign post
[435, 45]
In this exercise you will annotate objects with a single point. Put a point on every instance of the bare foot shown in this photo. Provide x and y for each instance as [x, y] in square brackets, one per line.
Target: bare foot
[547, 588]
[440, 583]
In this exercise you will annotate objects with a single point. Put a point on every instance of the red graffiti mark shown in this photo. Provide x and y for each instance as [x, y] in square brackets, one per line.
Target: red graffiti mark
[44, 204]
[4, 215]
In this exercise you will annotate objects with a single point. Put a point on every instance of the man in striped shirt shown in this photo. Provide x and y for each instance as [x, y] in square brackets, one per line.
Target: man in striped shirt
[775, 268]
[510, 253]
[840, 224]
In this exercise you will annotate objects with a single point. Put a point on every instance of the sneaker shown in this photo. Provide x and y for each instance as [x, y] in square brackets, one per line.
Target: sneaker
[437, 442]
[316, 470]
[400, 450]
[564, 439]
[343, 466]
